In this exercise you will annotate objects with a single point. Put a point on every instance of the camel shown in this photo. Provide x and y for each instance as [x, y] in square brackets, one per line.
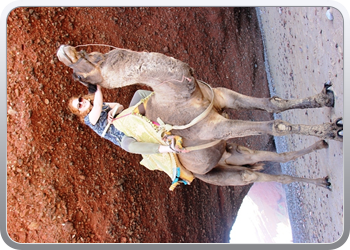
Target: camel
[180, 98]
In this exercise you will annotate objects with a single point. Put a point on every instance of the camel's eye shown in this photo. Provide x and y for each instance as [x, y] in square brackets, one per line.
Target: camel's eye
[80, 78]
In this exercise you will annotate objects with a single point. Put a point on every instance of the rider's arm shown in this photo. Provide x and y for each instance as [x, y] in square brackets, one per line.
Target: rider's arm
[130, 145]
[95, 112]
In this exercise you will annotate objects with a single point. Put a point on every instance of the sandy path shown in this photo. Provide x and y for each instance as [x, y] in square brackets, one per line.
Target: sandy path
[304, 50]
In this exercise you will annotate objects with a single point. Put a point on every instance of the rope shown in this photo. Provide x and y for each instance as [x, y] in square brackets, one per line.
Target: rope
[105, 45]
[203, 146]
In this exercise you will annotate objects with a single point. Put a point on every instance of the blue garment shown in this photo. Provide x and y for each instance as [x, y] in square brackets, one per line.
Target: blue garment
[113, 134]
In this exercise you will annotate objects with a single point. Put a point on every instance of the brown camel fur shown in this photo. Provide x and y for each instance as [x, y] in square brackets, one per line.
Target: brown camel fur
[179, 98]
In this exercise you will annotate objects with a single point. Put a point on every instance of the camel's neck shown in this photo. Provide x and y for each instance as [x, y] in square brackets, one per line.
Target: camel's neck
[168, 77]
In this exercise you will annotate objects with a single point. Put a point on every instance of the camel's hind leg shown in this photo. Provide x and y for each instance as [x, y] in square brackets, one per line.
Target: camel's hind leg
[238, 176]
[226, 98]
[239, 155]
[224, 129]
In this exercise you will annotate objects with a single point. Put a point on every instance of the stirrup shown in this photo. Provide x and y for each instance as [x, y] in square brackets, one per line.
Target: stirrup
[177, 181]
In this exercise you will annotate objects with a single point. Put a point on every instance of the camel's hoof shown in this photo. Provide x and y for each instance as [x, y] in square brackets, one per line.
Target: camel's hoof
[330, 94]
[329, 87]
[339, 122]
[340, 133]
[321, 144]
[336, 130]
[324, 144]
[328, 84]
[328, 183]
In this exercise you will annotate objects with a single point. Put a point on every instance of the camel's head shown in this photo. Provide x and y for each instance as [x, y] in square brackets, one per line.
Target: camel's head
[86, 67]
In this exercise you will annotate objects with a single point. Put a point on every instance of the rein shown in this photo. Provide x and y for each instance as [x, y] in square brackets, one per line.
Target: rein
[102, 45]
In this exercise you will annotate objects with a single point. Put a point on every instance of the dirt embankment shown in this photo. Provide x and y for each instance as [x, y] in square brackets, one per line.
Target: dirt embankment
[66, 184]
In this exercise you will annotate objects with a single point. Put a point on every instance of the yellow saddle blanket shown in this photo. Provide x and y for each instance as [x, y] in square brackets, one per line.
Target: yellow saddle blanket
[133, 124]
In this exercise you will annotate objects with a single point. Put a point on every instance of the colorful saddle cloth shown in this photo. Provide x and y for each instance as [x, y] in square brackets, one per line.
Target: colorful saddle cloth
[133, 124]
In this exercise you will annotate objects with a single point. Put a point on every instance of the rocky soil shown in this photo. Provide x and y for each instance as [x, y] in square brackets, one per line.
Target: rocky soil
[66, 184]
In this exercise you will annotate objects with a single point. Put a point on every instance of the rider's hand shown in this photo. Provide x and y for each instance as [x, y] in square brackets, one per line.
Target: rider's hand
[110, 116]
[171, 148]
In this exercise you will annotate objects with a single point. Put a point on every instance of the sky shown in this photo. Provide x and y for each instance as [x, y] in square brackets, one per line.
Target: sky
[263, 216]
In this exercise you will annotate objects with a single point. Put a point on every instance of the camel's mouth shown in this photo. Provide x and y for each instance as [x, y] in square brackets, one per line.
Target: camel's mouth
[67, 55]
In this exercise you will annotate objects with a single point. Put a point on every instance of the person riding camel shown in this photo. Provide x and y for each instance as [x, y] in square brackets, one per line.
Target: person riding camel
[132, 131]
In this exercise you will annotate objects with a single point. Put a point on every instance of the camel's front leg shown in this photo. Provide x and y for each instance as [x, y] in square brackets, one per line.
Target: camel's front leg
[223, 129]
[238, 176]
[226, 98]
[331, 130]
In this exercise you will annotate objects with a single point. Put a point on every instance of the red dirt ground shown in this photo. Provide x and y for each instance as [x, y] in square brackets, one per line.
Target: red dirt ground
[65, 183]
